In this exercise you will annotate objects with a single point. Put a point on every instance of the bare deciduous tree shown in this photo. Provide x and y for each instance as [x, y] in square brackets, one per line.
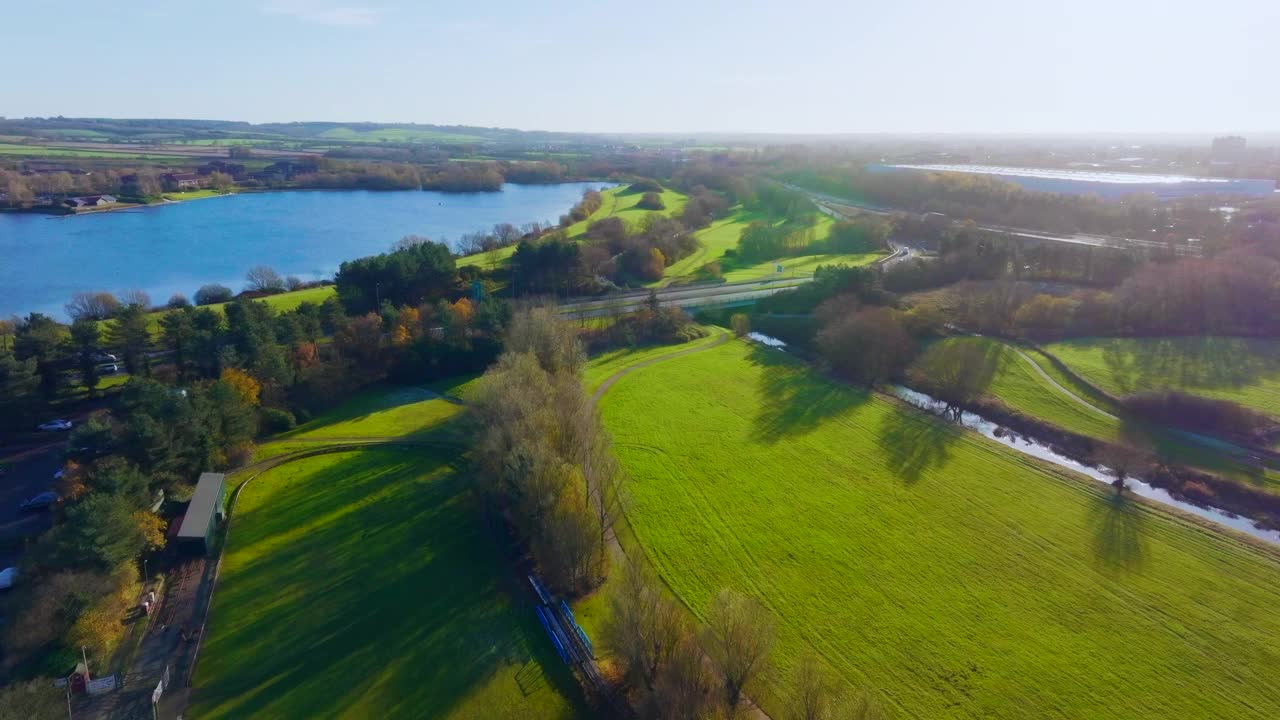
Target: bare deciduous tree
[739, 637]
[644, 625]
[135, 297]
[92, 306]
[685, 687]
[409, 241]
[1123, 460]
[264, 279]
[957, 371]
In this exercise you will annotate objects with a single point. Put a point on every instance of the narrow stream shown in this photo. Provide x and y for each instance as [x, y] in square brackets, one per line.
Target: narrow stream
[1034, 448]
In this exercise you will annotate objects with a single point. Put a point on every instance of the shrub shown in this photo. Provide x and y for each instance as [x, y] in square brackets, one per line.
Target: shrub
[651, 201]
[1198, 413]
[178, 301]
[645, 185]
[211, 294]
[240, 455]
[1197, 491]
[740, 323]
[275, 420]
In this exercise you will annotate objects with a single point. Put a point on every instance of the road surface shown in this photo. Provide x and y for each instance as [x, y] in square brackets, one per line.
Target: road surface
[829, 204]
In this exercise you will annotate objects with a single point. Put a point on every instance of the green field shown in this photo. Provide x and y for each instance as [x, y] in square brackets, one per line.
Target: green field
[46, 151]
[616, 202]
[363, 584]
[957, 578]
[1019, 386]
[196, 194]
[1245, 371]
[399, 135]
[282, 302]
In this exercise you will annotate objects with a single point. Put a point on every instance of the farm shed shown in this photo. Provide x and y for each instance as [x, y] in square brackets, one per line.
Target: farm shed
[203, 514]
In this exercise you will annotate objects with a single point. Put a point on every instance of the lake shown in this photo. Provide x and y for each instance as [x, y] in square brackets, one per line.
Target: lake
[176, 248]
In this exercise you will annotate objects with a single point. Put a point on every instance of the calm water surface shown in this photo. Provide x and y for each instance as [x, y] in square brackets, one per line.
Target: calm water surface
[177, 248]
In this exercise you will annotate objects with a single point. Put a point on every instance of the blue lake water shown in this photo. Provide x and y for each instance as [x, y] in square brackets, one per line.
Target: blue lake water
[177, 248]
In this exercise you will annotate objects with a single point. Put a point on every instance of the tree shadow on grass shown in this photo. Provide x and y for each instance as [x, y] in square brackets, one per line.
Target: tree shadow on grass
[1189, 363]
[794, 400]
[915, 442]
[1118, 532]
[369, 585]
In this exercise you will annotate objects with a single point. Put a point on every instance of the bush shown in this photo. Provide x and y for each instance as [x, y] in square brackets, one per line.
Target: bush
[1220, 417]
[240, 455]
[211, 294]
[275, 421]
[651, 201]
[645, 185]
[178, 301]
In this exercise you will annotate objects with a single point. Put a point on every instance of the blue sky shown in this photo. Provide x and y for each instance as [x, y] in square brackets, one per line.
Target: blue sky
[656, 65]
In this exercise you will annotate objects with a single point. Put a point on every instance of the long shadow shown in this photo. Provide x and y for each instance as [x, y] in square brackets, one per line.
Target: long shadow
[1118, 532]
[793, 399]
[1205, 363]
[915, 442]
[369, 402]
[369, 586]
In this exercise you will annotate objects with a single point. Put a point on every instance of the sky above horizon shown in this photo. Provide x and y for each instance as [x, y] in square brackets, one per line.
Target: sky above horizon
[801, 66]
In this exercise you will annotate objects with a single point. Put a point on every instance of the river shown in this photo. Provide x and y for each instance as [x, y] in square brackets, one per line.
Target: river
[177, 247]
[1035, 448]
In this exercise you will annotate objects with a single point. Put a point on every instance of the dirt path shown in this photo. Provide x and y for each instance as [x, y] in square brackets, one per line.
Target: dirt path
[1057, 386]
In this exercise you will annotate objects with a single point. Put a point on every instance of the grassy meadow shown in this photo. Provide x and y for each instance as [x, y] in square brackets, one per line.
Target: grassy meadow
[1017, 384]
[363, 584]
[958, 579]
[1242, 370]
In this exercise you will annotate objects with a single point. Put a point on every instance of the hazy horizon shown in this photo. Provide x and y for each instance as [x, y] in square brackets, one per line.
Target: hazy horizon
[995, 67]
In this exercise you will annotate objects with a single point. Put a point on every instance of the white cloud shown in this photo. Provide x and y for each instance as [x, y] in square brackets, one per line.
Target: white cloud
[324, 13]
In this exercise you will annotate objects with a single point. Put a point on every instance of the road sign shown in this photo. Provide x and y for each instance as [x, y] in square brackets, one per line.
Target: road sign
[101, 685]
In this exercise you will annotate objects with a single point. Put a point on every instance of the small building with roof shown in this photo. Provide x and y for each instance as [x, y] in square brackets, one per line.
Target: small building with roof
[204, 512]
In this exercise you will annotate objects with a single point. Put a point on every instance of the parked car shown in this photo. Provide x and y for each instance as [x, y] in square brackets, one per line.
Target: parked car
[55, 426]
[109, 369]
[104, 357]
[43, 501]
[8, 577]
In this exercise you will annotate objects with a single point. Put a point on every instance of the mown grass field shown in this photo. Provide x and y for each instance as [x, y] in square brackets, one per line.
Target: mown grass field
[362, 585]
[282, 302]
[397, 135]
[616, 202]
[958, 579]
[1246, 371]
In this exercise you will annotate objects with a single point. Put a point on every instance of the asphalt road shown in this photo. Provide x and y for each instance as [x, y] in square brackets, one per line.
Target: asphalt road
[1073, 238]
[681, 296]
[28, 472]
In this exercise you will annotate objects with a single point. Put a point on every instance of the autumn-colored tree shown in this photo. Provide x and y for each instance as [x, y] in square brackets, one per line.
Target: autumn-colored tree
[71, 486]
[100, 627]
[464, 310]
[408, 327]
[243, 383]
[303, 356]
[152, 527]
[740, 323]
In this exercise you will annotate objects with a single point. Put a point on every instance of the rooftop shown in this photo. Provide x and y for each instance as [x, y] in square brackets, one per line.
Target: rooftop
[204, 502]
